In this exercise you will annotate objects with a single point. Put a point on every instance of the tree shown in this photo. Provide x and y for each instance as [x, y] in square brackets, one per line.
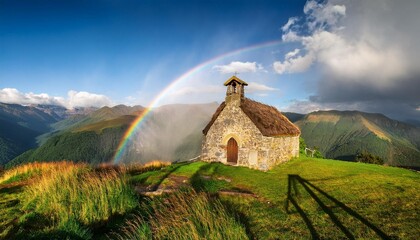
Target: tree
[367, 157]
[302, 146]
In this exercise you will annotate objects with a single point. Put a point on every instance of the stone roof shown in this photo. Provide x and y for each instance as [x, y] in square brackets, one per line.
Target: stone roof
[266, 118]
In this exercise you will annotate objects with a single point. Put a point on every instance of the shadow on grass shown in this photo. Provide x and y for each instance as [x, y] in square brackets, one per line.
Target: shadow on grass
[166, 175]
[9, 209]
[292, 190]
[197, 181]
[37, 226]
[241, 217]
[200, 184]
[55, 234]
[6, 189]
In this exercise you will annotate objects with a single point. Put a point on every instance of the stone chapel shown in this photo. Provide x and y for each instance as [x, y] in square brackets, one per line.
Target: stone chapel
[244, 132]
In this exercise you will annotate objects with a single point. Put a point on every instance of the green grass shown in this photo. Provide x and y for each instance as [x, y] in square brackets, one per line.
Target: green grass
[64, 200]
[98, 127]
[358, 198]
[185, 215]
[9, 208]
[301, 199]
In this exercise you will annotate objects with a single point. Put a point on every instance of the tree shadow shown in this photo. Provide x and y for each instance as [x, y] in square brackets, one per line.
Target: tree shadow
[292, 191]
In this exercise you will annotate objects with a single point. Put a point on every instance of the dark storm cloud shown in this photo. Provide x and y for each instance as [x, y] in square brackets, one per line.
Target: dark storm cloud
[367, 53]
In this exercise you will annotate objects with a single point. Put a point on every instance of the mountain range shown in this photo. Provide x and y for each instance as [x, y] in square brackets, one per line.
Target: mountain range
[21, 125]
[173, 132]
[343, 134]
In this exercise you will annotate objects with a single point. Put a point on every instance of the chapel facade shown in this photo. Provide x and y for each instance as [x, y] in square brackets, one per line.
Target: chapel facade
[244, 132]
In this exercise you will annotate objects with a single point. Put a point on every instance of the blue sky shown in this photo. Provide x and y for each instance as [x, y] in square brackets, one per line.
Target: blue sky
[80, 53]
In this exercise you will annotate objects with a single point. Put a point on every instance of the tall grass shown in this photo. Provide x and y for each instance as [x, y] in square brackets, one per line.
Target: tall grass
[141, 168]
[185, 215]
[30, 170]
[71, 195]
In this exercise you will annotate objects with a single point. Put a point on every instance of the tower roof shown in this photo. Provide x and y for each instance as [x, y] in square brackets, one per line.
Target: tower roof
[235, 78]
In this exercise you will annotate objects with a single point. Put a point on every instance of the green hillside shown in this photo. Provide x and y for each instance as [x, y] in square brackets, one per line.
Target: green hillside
[342, 135]
[14, 140]
[20, 125]
[92, 119]
[94, 138]
[98, 127]
[302, 199]
[90, 147]
[338, 135]
[91, 137]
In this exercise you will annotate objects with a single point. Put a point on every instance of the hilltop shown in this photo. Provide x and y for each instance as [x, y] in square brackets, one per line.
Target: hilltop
[300, 199]
[344, 134]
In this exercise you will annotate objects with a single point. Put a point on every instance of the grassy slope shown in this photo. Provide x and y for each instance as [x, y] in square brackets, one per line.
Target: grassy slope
[62, 200]
[385, 197]
[98, 127]
[92, 147]
[341, 135]
[335, 198]
[95, 137]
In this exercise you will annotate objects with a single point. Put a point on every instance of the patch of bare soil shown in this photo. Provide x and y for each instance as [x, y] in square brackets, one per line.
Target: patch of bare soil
[170, 184]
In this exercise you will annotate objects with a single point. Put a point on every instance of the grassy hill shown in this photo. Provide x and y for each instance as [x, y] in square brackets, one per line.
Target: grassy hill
[20, 125]
[342, 135]
[94, 138]
[89, 137]
[89, 147]
[338, 135]
[301, 199]
[92, 119]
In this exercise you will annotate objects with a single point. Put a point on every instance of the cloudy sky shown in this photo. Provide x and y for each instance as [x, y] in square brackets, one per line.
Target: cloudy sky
[299, 56]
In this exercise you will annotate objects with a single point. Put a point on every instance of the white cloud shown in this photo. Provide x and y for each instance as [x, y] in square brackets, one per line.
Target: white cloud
[12, 95]
[86, 99]
[323, 15]
[291, 36]
[258, 87]
[365, 54]
[307, 106]
[130, 98]
[353, 58]
[289, 23]
[240, 67]
[75, 99]
[293, 64]
[292, 53]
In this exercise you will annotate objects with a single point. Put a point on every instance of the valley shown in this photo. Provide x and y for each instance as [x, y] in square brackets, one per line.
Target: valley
[93, 135]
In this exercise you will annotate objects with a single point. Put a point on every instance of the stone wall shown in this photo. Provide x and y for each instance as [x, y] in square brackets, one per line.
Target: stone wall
[254, 150]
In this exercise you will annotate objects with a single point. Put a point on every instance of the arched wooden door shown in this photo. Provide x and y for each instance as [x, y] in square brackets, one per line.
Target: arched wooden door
[232, 151]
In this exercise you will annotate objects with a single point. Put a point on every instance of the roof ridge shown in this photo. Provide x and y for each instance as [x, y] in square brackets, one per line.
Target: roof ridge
[268, 119]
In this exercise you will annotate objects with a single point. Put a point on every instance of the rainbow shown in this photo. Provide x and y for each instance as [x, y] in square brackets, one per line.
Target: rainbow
[137, 122]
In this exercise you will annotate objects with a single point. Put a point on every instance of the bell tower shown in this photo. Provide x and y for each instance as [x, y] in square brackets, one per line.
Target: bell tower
[235, 90]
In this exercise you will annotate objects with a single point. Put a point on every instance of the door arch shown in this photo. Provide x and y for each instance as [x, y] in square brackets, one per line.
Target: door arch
[232, 151]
